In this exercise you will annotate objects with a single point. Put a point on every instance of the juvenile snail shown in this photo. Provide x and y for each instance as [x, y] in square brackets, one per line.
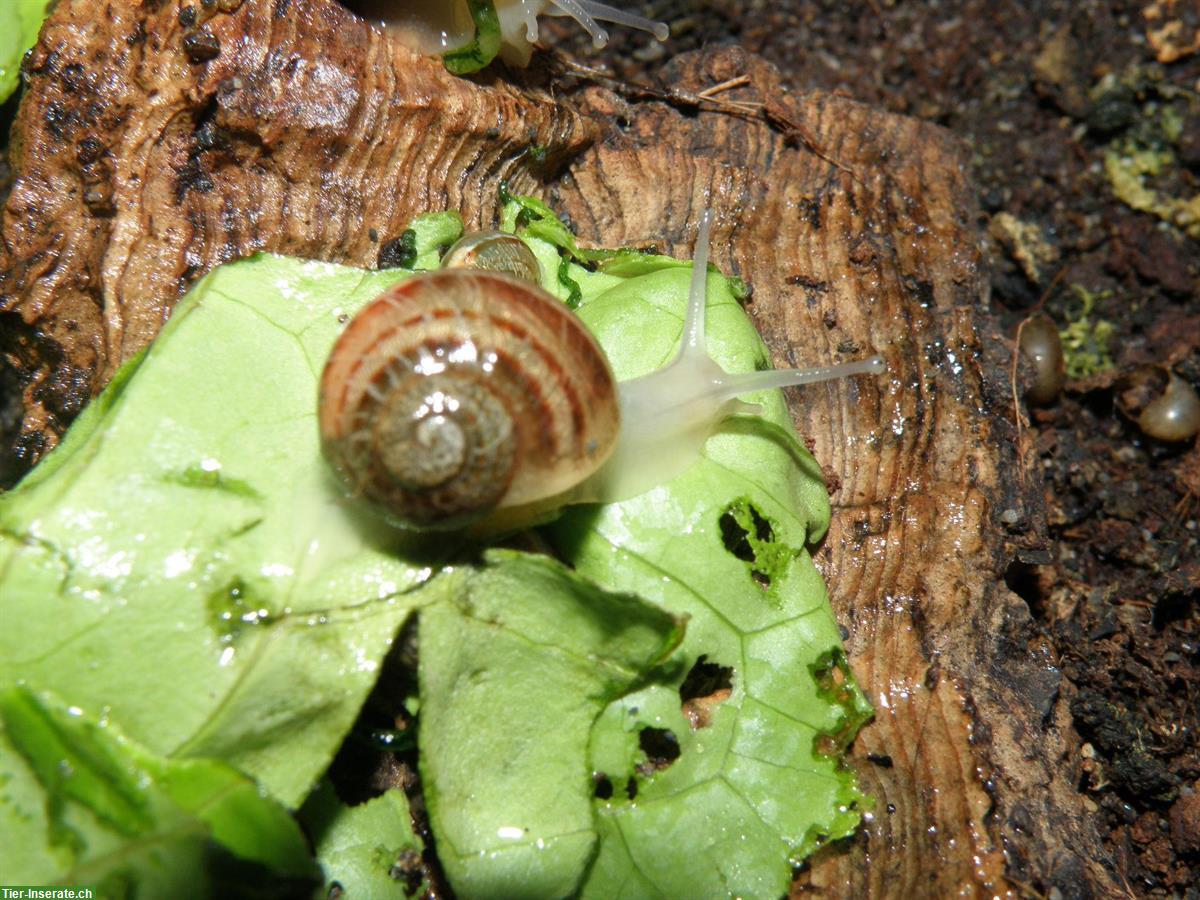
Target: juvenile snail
[495, 251]
[1040, 342]
[438, 26]
[460, 395]
[1163, 405]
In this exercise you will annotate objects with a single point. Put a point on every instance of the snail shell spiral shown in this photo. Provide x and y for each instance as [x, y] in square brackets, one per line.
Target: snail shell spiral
[494, 251]
[459, 391]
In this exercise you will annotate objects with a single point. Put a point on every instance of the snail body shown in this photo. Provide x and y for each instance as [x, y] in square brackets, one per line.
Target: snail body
[438, 26]
[462, 395]
[669, 414]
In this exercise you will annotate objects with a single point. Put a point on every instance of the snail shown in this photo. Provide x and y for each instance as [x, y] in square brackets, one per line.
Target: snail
[496, 251]
[464, 395]
[1040, 342]
[437, 26]
[1163, 405]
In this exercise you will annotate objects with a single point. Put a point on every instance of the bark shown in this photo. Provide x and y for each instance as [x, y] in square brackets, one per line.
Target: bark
[139, 166]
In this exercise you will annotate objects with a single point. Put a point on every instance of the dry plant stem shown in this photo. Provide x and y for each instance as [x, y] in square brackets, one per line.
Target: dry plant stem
[1019, 420]
[769, 110]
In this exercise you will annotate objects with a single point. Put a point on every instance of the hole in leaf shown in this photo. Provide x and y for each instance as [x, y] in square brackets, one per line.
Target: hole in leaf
[661, 748]
[603, 786]
[749, 535]
[631, 788]
[705, 678]
[707, 684]
[829, 672]
[835, 684]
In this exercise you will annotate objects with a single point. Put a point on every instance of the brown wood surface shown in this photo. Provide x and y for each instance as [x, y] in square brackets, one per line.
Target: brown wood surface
[309, 129]
[138, 169]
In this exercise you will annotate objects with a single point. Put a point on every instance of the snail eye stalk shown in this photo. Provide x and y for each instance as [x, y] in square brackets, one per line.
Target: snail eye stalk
[589, 14]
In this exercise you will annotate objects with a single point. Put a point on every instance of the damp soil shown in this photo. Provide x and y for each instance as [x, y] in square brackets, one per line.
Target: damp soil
[1085, 146]
[1083, 122]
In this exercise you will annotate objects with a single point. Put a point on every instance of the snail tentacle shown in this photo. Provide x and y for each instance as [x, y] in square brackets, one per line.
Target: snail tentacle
[604, 13]
[668, 415]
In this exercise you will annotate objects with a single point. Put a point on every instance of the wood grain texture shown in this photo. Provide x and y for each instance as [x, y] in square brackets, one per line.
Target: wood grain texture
[137, 169]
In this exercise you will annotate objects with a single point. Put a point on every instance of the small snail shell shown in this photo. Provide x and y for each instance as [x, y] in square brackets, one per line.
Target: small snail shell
[495, 251]
[1174, 416]
[449, 395]
[1040, 342]
[1163, 405]
[438, 26]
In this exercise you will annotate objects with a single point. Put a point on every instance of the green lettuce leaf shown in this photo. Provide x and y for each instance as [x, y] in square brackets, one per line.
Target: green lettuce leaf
[369, 851]
[514, 670]
[184, 561]
[82, 804]
[759, 703]
[20, 22]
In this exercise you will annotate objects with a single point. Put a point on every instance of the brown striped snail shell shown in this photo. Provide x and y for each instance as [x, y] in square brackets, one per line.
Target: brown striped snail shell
[458, 391]
[494, 251]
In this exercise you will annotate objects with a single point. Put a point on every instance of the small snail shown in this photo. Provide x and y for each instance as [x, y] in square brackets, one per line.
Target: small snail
[496, 251]
[1040, 342]
[438, 26]
[1163, 405]
[457, 391]
[460, 395]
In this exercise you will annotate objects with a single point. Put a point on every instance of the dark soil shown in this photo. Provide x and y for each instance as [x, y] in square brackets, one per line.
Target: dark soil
[1042, 94]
